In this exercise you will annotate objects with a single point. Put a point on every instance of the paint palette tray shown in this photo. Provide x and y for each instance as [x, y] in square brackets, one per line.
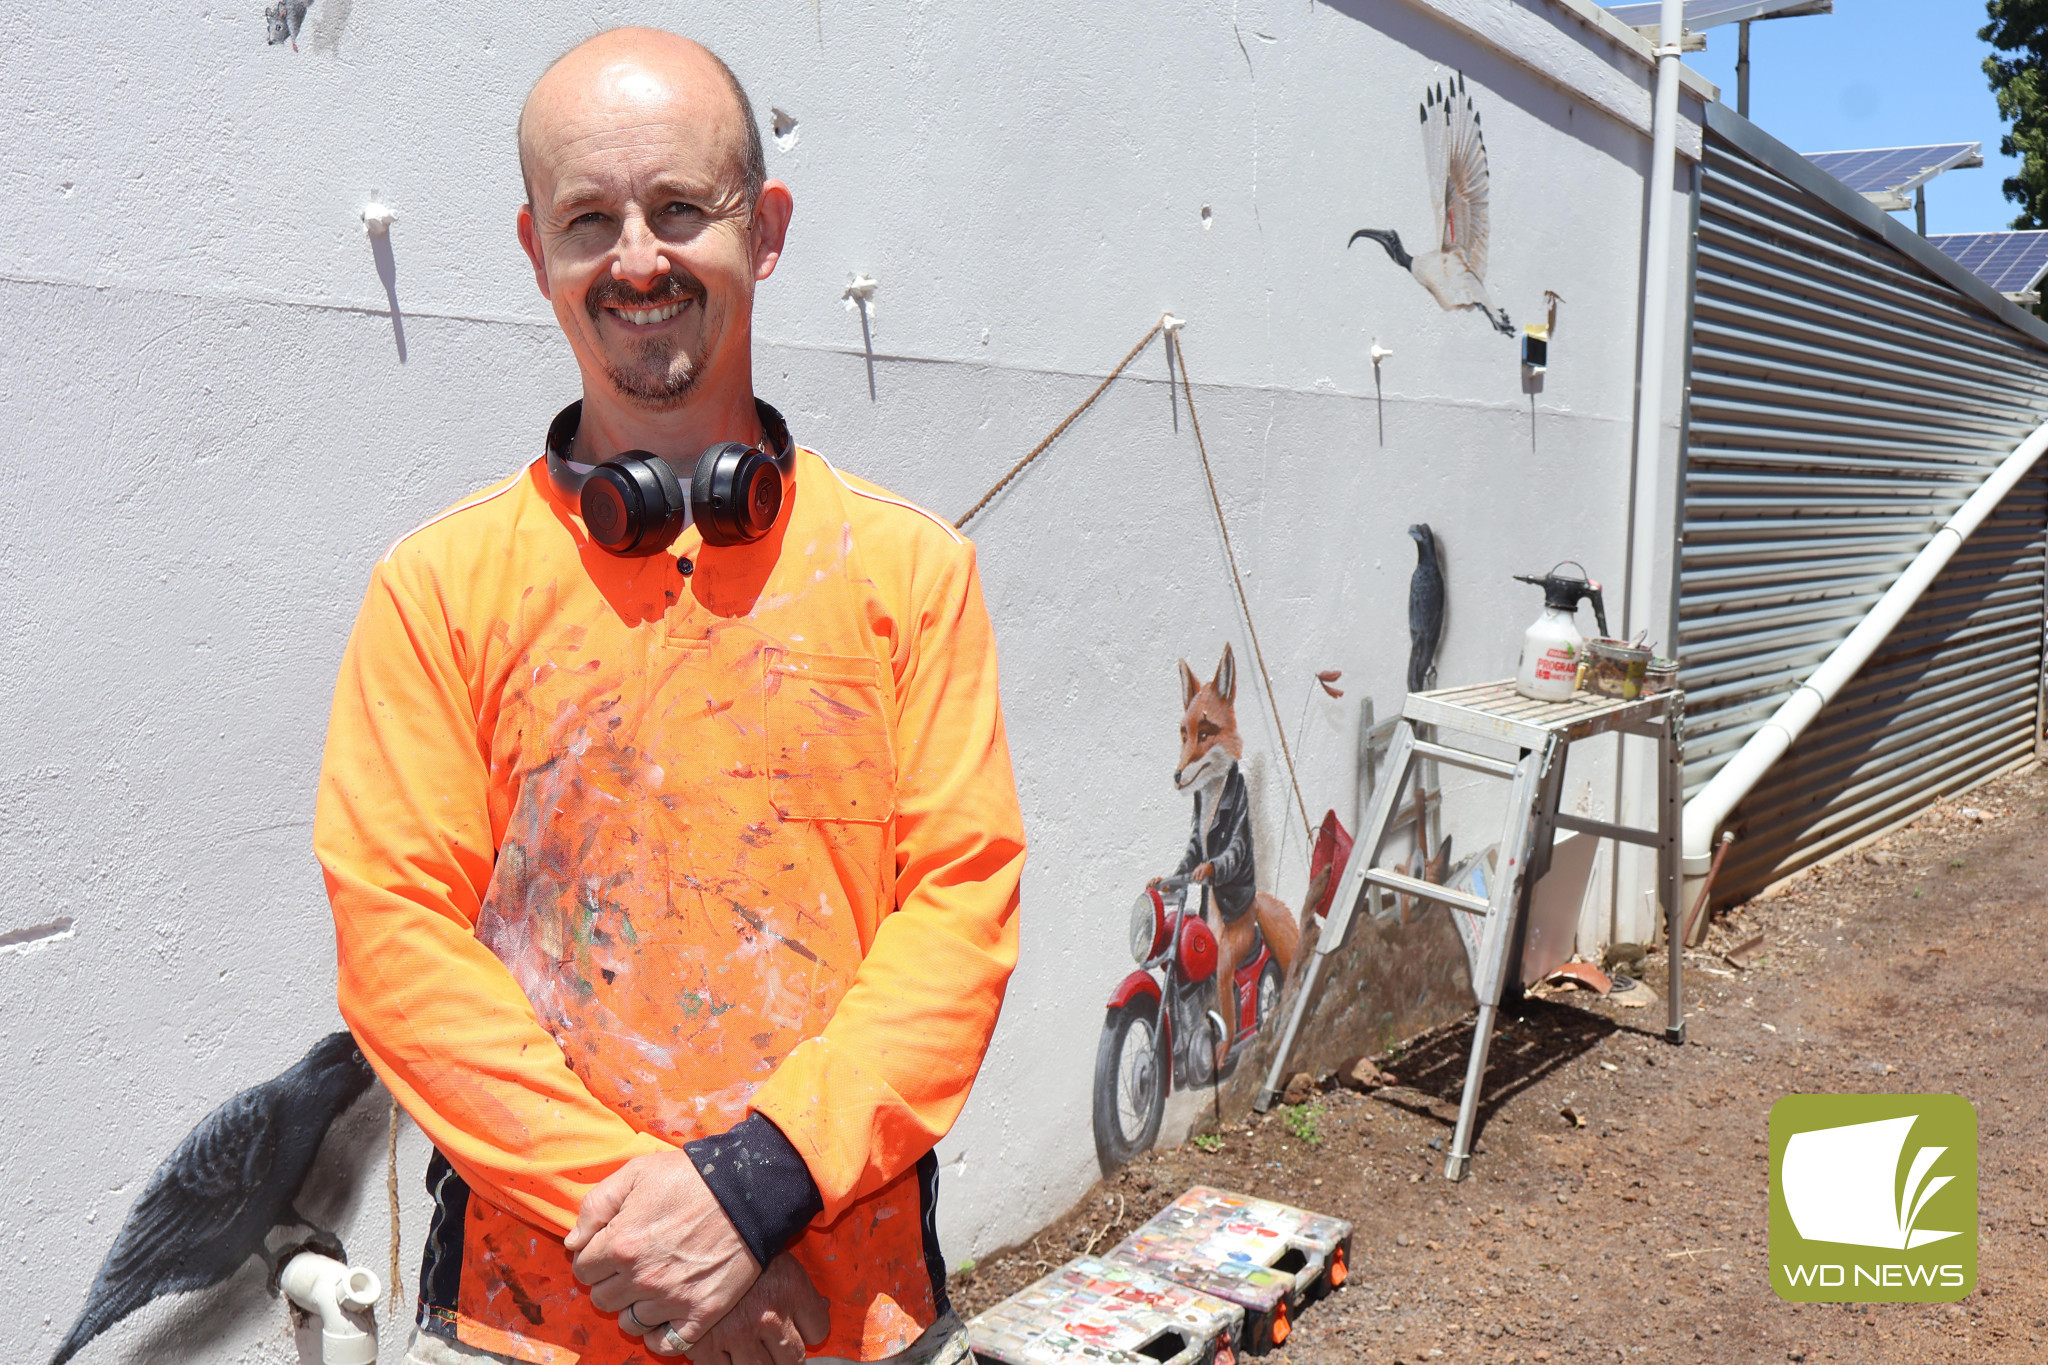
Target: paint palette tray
[1095, 1312]
[1269, 1259]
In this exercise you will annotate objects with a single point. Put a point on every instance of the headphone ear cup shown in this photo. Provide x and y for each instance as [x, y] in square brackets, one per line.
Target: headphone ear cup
[634, 505]
[735, 494]
[763, 492]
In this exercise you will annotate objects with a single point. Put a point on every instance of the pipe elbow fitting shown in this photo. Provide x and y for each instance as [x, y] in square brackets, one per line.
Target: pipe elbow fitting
[1697, 828]
[332, 1291]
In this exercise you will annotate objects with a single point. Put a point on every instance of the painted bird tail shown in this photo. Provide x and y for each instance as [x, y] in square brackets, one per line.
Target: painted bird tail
[106, 1305]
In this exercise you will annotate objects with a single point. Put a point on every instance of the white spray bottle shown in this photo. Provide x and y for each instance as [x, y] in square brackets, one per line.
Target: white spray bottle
[1552, 648]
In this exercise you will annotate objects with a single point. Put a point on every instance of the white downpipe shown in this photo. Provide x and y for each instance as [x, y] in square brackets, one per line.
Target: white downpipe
[1651, 366]
[325, 1287]
[1656, 352]
[1705, 812]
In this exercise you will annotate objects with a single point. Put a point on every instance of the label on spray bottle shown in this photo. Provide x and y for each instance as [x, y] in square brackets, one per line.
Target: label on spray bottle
[1558, 663]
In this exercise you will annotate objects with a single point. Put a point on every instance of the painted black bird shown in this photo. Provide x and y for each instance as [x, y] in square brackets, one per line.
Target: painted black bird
[1425, 607]
[236, 1176]
[1454, 151]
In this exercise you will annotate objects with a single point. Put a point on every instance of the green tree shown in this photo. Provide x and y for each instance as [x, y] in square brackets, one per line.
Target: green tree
[2018, 68]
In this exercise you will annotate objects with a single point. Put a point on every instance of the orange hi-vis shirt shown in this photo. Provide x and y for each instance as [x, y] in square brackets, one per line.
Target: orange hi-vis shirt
[621, 856]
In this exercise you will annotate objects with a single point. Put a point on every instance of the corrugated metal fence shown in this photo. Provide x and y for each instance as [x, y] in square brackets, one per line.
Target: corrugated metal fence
[1847, 393]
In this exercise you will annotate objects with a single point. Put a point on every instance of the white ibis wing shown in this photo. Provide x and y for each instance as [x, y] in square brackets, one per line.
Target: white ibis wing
[1460, 179]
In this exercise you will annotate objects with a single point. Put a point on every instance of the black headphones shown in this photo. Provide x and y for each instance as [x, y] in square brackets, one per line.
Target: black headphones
[634, 504]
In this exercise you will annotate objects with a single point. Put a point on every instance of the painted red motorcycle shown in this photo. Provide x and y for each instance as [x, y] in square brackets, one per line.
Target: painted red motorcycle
[1161, 1030]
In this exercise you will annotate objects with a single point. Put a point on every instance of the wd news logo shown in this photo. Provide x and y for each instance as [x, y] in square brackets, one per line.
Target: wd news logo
[1873, 1198]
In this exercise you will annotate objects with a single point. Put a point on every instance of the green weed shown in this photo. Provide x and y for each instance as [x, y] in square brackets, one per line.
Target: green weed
[1209, 1142]
[1301, 1121]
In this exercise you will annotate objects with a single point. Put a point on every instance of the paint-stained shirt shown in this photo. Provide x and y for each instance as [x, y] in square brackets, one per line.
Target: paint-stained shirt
[622, 857]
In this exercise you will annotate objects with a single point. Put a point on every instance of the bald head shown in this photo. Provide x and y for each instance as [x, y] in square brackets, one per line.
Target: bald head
[641, 74]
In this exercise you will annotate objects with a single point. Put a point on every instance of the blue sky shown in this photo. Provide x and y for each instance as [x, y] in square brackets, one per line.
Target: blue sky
[1878, 73]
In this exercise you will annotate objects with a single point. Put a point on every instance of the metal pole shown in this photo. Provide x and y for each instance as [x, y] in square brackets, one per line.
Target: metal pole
[1671, 780]
[1460, 1159]
[1742, 69]
[1920, 210]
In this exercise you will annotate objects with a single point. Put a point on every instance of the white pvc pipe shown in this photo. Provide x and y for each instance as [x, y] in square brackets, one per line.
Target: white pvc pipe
[1656, 355]
[325, 1287]
[1652, 362]
[1705, 812]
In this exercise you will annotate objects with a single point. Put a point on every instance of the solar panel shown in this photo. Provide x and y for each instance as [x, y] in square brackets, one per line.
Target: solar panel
[1892, 171]
[2010, 262]
[1705, 14]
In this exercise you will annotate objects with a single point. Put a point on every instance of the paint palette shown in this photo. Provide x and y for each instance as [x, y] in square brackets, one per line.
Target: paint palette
[1269, 1259]
[1094, 1312]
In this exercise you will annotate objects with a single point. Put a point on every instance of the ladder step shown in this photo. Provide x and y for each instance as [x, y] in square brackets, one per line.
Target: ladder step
[1458, 758]
[1410, 886]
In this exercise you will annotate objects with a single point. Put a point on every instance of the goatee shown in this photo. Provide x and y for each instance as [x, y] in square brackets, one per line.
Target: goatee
[661, 376]
[662, 391]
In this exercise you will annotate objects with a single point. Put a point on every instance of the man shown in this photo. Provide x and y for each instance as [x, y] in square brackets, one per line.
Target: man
[674, 892]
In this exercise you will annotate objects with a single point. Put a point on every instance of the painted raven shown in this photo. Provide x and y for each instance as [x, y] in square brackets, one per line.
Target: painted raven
[1425, 607]
[236, 1176]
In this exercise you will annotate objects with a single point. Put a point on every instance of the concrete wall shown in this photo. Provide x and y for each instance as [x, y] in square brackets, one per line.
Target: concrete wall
[218, 405]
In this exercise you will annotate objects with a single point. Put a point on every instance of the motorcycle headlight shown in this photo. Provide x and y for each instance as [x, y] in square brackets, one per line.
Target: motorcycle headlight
[1148, 925]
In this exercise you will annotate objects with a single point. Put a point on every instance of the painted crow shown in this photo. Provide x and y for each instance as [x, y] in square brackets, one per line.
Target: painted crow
[236, 1176]
[1425, 607]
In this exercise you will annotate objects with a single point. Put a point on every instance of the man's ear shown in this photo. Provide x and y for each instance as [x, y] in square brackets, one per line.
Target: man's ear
[529, 239]
[770, 226]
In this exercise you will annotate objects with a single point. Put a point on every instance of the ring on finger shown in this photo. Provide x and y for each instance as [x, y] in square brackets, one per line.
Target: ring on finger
[672, 1341]
[630, 1320]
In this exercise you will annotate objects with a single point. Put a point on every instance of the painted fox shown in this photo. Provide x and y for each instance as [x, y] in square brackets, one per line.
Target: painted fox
[1219, 848]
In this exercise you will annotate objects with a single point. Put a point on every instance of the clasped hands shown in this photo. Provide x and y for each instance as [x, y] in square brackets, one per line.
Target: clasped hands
[655, 1247]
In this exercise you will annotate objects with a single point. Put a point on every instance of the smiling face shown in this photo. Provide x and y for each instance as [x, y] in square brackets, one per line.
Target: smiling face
[640, 222]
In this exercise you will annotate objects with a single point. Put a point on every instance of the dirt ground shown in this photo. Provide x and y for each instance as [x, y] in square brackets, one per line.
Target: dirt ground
[1914, 965]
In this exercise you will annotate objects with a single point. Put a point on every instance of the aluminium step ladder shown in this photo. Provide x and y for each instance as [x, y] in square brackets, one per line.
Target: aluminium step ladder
[1541, 733]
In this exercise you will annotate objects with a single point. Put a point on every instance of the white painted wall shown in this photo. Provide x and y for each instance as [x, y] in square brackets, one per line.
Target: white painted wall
[210, 432]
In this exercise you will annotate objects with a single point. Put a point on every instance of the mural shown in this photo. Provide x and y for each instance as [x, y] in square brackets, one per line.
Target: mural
[1213, 951]
[1215, 955]
[234, 1179]
[1455, 155]
[1425, 608]
[283, 20]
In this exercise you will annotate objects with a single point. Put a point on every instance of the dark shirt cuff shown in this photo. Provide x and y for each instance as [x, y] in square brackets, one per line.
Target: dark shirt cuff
[762, 1184]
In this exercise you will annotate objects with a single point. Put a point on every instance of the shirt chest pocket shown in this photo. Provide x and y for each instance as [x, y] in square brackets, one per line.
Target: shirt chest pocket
[829, 750]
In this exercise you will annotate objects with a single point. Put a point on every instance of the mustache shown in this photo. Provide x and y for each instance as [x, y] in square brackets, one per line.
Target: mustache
[675, 286]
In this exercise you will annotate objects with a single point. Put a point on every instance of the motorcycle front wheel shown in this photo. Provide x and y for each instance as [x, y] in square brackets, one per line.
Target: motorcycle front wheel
[1130, 1084]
